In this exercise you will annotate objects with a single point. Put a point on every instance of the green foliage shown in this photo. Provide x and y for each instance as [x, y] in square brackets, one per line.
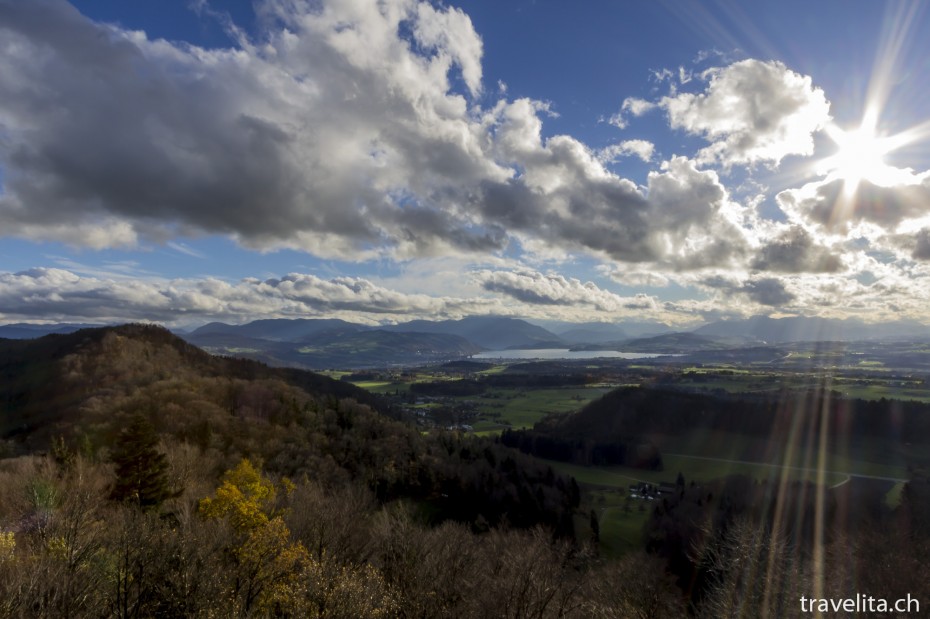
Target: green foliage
[141, 470]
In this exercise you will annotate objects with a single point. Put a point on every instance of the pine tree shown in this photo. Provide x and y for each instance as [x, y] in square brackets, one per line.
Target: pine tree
[141, 470]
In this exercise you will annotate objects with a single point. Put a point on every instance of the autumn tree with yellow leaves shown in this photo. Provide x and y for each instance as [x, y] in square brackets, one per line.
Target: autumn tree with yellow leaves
[277, 574]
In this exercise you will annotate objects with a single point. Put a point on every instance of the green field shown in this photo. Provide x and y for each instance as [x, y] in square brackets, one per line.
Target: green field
[692, 467]
[621, 530]
[621, 519]
[521, 408]
[499, 409]
[377, 386]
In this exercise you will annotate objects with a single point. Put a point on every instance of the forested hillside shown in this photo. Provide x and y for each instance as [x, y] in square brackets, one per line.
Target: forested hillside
[144, 477]
[141, 477]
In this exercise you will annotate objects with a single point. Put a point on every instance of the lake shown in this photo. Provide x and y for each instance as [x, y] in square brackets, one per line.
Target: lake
[564, 353]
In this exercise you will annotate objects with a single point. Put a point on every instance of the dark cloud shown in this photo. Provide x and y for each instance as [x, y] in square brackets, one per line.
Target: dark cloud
[762, 290]
[295, 142]
[767, 291]
[794, 251]
[922, 247]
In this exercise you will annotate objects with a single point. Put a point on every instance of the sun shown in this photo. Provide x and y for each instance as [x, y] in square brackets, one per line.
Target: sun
[860, 156]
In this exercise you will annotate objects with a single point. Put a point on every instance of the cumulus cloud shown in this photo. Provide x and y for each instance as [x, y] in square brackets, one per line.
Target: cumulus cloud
[63, 295]
[795, 251]
[566, 197]
[538, 288]
[638, 148]
[766, 291]
[751, 112]
[339, 130]
[692, 219]
[827, 204]
[316, 136]
[637, 107]
[59, 294]
[361, 130]
[633, 107]
[634, 276]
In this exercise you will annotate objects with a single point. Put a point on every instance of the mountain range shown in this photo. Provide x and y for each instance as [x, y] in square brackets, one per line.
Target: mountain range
[27, 330]
[330, 343]
[327, 343]
[812, 329]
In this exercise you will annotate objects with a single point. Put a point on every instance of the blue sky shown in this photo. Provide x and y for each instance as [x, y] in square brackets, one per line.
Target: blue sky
[679, 162]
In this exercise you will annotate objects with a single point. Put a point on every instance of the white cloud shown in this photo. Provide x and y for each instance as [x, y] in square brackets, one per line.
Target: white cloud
[62, 295]
[751, 112]
[635, 277]
[566, 197]
[637, 107]
[638, 148]
[617, 120]
[449, 32]
[59, 294]
[631, 106]
[537, 288]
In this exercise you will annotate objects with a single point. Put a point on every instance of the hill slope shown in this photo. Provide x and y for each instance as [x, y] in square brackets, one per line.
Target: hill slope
[86, 386]
[53, 382]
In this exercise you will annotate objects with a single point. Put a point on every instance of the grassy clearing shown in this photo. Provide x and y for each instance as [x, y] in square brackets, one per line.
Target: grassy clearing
[693, 468]
[621, 519]
[522, 408]
[497, 369]
[700, 469]
[858, 456]
[608, 477]
[375, 386]
[876, 390]
[621, 530]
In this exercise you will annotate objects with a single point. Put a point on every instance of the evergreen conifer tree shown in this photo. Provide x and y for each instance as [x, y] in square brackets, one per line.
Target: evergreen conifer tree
[141, 470]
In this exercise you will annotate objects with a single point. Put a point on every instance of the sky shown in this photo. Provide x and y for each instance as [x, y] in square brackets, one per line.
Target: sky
[675, 162]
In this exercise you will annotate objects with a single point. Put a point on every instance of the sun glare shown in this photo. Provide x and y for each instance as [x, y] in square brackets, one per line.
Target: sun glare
[860, 157]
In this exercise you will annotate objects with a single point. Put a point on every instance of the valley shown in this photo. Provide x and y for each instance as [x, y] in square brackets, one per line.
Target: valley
[625, 461]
